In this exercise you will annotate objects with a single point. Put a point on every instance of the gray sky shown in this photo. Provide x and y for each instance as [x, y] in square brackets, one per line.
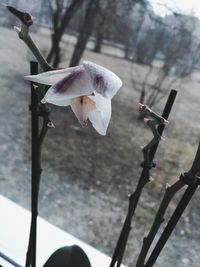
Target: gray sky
[183, 6]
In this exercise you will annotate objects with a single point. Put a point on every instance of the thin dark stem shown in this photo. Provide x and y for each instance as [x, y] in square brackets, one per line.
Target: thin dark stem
[37, 139]
[121, 244]
[191, 179]
[169, 194]
[189, 192]
[144, 179]
[37, 136]
[161, 127]
[31, 253]
[195, 169]
[133, 201]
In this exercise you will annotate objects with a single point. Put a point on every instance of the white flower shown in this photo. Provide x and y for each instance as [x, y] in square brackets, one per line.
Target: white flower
[87, 88]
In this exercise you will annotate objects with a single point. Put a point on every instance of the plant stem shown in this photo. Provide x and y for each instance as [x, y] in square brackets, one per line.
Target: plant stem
[37, 110]
[189, 192]
[23, 33]
[35, 172]
[195, 169]
[144, 179]
[169, 194]
[133, 201]
[191, 179]
[25, 36]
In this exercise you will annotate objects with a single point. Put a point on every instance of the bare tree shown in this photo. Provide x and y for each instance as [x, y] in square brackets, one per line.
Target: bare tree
[179, 54]
[106, 14]
[85, 31]
[62, 12]
[100, 33]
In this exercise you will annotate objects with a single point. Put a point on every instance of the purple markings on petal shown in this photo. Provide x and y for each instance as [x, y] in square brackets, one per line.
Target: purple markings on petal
[66, 82]
[99, 82]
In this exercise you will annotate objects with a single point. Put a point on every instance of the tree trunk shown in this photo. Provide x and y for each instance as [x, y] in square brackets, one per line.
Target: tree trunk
[98, 41]
[144, 84]
[57, 57]
[127, 50]
[99, 36]
[59, 29]
[55, 49]
[85, 32]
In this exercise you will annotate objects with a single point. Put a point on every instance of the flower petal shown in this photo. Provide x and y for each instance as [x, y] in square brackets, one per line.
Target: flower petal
[76, 84]
[82, 106]
[50, 77]
[59, 102]
[104, 81]
[100, 117]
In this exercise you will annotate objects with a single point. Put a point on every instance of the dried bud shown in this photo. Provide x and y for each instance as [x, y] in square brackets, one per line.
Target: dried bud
[140, 106]
[25, 18]
[164, 121]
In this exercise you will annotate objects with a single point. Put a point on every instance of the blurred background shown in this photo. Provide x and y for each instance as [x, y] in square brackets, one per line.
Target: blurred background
[153, 47]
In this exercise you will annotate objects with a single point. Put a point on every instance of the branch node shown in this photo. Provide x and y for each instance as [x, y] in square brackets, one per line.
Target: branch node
[148, 165]
[25, 17]
[151, 179]
[50, 124]
[190, 179]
